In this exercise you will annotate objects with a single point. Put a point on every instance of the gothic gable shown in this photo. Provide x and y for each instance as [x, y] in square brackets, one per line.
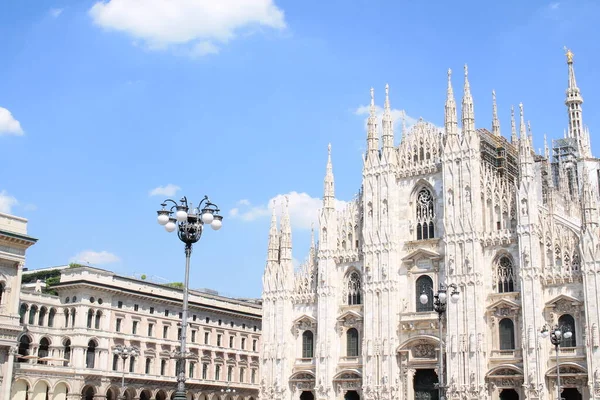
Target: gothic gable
[304, 323]
[503, 308]
[564, 303]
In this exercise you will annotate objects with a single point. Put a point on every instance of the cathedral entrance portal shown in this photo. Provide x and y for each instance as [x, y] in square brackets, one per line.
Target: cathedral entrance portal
[425, 383]
[351, 395]
[307, 396]
[509, 394]
[571, 394]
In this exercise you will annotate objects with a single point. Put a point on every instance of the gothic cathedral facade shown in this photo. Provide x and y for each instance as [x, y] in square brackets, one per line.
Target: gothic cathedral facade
[514, 232]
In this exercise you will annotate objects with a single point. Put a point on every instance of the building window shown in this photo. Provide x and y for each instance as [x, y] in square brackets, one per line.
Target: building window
[505, 275]
[67, 352]
[253, 376]
[218, 340]
[151, 310]
[131, 364]
[120, 304]
[567, 323]
[424, 285]
[231, 341]
[115, 366]
[90, 318]
[193, 336]
[118, 325]
[254, 345]
[51, 316]
[229, 374]
[242, 375]
[204, 371]
[354, 288]
[165, 332]
[307, 344]
[136, 307]
[180, 315]
[43, 350]
[97, 321]
[150, 330]
[425, 215]
[134, 327]
[506, 330]
[90, 359]
[217, 372]
[148, 365]
[24, 344]
[231, 323]
[178, 333]
[352, 342]
[255, 328]
[42, 316]
[191, 369]
[243, 344]
[166, 313]
[194, 317]
[206, 337]
[207, 320]
[220, 322]
[163, 367]
[32, 314]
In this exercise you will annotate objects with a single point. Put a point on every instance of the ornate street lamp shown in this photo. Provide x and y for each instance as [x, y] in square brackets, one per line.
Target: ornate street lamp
[125, 352]
[556, 335]
[228, 390]
[440, 301]
[189, 222]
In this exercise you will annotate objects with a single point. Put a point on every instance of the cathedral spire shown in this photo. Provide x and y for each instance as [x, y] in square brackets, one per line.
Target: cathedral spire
[450, 119]
[273, 252]
[573, 101]
[387, 123]
[285, 236]
[546, 148]
[513, 129]
[372, 135]
[329, 187]
[495, 120]
[468, 115]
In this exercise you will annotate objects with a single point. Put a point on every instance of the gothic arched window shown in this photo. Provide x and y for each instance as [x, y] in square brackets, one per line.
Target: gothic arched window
[90, 359]
[32, 314]
[425, 215]
[506, 330]
[90, 318]
[354, 288]
[98, 316]
[424, 285]
[352, 343]
[22, 313]
[43, 350]
[567, 323]
[24, 344]
[2, 289]
[307, 344]
[67, 352]
[505, 275]
[51, 316]
[42, 316]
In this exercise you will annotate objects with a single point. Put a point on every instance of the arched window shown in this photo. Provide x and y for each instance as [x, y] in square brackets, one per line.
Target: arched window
[307, 344]
[149, 363]
[43, 350]
[22, 313]
[506, 330]
[132, 364]
[66, 318]
[97, 322]
[32, 314]
[51, 316]
[425, 215]
[24, 344]
[354, 289]
[73, 317]
[505, 275]
[567, 323]
[90, 358]
[424, 285]
[352, 342]
[42, 316]
[2, 290]
[90, 318]
[67, 352]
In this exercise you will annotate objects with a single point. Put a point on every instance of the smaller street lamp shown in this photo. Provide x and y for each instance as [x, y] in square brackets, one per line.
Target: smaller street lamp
[228, 390]
[440, 302]
[556, 335]
[125, 352]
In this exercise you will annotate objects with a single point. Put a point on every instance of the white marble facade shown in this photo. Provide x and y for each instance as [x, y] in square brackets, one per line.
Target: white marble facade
[517, 232]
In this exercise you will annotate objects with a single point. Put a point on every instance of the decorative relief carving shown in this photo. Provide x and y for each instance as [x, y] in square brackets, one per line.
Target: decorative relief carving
[423, 350]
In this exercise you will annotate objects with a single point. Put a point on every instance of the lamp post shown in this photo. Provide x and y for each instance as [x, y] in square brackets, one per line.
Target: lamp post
[125, 352]
[556, 335]
[189, 222]
[440, 301]
[228, 390]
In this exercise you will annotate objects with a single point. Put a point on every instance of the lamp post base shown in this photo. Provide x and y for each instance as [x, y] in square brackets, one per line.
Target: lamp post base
[180, 395]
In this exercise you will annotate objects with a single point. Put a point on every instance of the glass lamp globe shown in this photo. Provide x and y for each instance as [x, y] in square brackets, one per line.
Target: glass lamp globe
[181, 215]
[207, 217]
[423, 298]
[442, 296]
[455, 297]
[568, 335]
[544, 333]
[163, 219]
[170, 226]
[217, 223]
[557, 333]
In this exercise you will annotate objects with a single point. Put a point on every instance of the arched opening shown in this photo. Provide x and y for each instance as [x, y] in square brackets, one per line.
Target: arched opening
[43, 351]
[351, 395]
[67, 352]
[90, 357]
[145, 395]
[424, 384]
[509, 394]
[61, 391]
[90, 317]
[161, 395]
[19, 390]
[352, 343]
[51, 316]
[40, 391]
[32, 314]
[22, 313]
[567, 323]
[307, 344]
[307, 396]
[42, 316]
[24, 344]
[354, 289]
[571, 394]
[506, 330]
[2, 289]
[424, 285]
[112, 394]
[87, 393]
[97, 322]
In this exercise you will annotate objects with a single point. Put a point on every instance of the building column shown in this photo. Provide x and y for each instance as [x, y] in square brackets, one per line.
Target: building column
[8, 377]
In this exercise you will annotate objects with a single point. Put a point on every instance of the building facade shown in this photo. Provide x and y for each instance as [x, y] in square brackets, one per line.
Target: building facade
[68, 339]
[14, 243]
[516, 232]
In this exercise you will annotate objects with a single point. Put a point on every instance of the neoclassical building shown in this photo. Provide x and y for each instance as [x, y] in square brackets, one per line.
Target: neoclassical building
[14, 243]
[515, 231]
[67, 340]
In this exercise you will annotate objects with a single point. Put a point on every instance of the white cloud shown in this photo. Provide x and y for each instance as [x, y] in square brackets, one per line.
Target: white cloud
[303, 209]
[396, 117]
[95, 257]
[168, 190]
[199, 26]
[7, 202]
[8, 124]
[55, 12]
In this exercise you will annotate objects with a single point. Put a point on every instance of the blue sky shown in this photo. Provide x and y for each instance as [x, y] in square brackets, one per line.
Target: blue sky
[109, 101]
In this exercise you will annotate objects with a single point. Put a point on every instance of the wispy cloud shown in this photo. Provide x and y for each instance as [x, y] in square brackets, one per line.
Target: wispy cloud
[168, 190]
[198, 28]
[56, 12]
[95, 257]
[7, 202]
[8, 124]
